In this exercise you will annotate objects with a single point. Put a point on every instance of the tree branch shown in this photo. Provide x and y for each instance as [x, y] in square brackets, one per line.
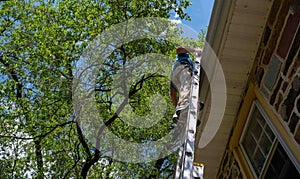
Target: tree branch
[55, 127]
[82, 140]
[90, 163]
[14, 76]
[39, 158]
[137, 86]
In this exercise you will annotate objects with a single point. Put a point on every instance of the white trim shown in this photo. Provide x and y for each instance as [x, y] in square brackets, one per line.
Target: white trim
[271, 126]
[242, 138]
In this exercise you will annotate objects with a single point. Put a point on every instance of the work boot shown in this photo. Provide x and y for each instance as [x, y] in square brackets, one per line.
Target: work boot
[176, 115]
[175, 119]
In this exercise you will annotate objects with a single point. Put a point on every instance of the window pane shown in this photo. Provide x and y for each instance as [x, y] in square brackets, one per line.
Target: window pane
[281, 166]
[272, 172]
[270, 134]
[257, 132]
[249, 145]
[265, 143]
[258, 161]
[255, 127]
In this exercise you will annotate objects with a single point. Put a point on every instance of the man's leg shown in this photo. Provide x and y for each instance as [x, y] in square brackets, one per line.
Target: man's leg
[185, 88]
[182, 81]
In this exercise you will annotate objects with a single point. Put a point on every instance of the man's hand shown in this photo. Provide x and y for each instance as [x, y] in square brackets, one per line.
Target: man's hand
[198, 51]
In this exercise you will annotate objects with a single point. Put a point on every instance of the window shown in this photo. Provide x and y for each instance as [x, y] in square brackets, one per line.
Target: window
[257, 140]
[257, 143]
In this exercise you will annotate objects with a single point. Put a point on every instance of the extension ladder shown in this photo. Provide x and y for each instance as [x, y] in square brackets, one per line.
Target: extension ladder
[186, 168]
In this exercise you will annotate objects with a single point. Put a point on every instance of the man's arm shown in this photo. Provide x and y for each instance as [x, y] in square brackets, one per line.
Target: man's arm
[181, 50]
[173, 93]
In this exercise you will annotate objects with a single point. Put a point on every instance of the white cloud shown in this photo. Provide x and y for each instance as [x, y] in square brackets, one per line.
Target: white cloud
[176, 21]
[176, 15]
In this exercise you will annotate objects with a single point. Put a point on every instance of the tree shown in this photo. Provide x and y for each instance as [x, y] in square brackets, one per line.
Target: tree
[40, 43]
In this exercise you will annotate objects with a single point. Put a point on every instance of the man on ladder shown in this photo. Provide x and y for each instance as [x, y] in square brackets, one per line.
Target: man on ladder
[182, 72]
[185, 81]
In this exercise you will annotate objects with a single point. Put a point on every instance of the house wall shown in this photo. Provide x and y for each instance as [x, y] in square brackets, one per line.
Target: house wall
[277, 72]
[274, 86]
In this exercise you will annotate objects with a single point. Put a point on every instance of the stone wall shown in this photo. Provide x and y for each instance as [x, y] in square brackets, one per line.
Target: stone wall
[230, 168]
[277, 68]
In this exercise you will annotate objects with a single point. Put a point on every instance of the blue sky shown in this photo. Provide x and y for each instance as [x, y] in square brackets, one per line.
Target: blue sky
[200, 12]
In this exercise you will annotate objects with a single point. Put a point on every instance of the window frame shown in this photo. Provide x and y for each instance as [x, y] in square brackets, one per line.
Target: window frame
[254, 105]
[277, 139]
